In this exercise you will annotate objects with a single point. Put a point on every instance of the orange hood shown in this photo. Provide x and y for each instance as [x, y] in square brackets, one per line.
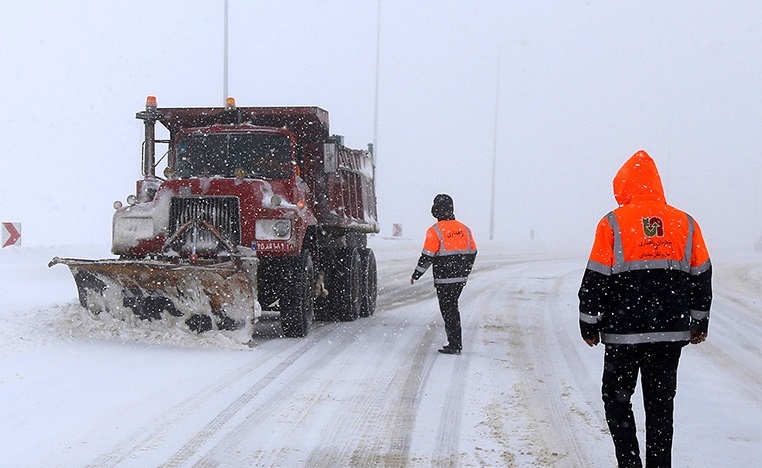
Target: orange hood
[637, 180]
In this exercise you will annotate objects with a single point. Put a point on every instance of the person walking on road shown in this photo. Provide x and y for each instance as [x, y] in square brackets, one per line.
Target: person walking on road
[645, 294]
[451, 249]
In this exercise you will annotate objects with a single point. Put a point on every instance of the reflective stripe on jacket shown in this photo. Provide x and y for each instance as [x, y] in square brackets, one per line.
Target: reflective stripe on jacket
[648, 278]
[451, 249]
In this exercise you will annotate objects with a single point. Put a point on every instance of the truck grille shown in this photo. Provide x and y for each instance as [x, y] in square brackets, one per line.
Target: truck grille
[221, 212]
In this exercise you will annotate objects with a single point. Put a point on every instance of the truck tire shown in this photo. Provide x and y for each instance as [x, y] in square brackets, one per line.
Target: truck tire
[346, 284]
[297, 303]
[270, 274]
[369, 283]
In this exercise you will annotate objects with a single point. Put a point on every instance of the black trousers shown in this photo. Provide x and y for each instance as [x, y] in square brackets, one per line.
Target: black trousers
[657, 364]
[448, 295]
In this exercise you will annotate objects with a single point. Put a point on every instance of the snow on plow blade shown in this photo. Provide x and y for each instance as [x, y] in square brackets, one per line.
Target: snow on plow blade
[219, 296]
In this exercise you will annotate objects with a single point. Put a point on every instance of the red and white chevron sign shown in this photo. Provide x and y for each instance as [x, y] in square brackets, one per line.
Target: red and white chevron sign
[11, 234]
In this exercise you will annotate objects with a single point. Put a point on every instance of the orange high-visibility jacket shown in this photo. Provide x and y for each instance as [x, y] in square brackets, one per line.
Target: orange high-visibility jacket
[451, 248]
[648, 278]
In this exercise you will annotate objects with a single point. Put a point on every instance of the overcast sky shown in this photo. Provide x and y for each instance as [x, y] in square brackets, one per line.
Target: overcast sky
[582, 86]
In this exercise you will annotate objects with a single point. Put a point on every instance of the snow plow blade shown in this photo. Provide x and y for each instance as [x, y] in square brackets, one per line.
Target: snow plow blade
[218, 296]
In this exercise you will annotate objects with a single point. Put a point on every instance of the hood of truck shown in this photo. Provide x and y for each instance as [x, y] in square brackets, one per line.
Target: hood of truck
[141, 229]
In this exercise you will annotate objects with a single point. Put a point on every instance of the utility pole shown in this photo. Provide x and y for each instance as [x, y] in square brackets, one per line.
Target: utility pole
[378, 63]
[494, 139]
[494, 150]
[225, 58]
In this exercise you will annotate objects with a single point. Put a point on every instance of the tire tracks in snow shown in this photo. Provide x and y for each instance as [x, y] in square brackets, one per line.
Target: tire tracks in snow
[171, 419]
[449, 429]
[732, 345]
[375, 424]
[562, 379]
[254, 415]
[381, 420]
[372, 448]
[544, 394]
[216, 454]
[488, 366]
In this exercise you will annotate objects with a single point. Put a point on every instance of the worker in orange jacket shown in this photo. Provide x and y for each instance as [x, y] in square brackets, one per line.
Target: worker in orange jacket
[645, 294]
[451, 249]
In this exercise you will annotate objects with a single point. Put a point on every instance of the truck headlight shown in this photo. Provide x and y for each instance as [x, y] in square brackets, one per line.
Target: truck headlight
[273, 229]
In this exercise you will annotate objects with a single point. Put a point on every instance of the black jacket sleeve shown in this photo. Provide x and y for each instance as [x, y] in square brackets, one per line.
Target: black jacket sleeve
[701, 300]
[593, 301]
[424, 262]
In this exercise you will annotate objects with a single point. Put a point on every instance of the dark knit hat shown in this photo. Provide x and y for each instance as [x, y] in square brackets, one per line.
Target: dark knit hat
[443, 207]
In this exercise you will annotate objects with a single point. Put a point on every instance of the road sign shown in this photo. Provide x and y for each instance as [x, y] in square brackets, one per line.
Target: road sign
[396, 230]
[11, 234]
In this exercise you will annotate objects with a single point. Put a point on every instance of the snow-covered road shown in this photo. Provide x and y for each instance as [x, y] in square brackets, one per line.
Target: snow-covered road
[525, 392]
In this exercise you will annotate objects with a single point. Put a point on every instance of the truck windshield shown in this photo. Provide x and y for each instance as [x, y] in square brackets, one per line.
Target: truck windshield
[221, 154]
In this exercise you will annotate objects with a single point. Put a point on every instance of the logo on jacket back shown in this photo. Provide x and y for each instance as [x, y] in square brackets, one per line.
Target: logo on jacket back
[653, 226]
[455, 233]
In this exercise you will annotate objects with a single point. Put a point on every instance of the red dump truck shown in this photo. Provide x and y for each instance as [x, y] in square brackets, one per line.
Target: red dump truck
[258, 208]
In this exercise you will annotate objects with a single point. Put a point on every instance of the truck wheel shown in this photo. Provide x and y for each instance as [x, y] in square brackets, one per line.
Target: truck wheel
[369, 285]
[298, 299]
[346, 283]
